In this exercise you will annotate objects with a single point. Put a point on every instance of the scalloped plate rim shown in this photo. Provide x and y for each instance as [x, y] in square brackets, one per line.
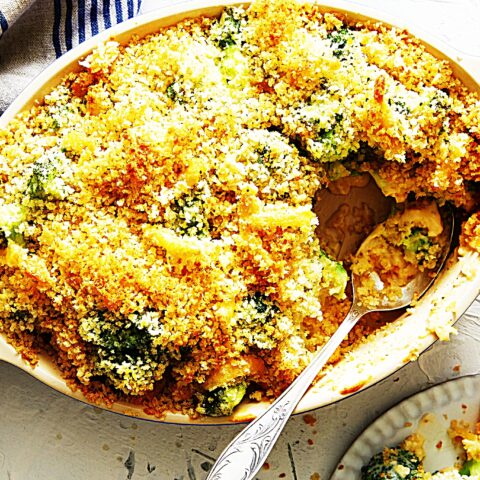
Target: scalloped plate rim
[436, 400]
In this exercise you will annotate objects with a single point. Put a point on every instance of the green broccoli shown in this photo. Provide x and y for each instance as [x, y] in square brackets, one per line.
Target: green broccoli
[264, 155]
[265, 309]
[255, 320]
[55, 124]
[44, 172]
[327, 134]
[22, 319]
[189, 215]
[175, 92]
[329, 137]
[339, 41]
[45, 180]
[334, 275]
[59, 115]
[12, 224]
[471, 468]
[227, 35]
[234, 64]
[393, 464]
[221, 400]
[439, 101]
[125, 344]
[418, 241]
[422, 246]
[227, 31]
[127, 350]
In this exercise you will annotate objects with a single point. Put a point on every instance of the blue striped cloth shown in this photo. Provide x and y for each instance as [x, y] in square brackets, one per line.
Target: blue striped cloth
[76, 20]
[35, 32]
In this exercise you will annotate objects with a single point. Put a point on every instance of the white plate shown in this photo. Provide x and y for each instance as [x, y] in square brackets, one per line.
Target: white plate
[428, 413]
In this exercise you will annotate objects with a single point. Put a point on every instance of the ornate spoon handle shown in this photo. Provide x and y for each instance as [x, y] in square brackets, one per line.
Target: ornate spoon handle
[247, 452]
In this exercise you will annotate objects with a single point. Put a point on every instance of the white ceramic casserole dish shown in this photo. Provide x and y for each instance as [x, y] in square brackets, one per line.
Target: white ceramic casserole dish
[386, 350]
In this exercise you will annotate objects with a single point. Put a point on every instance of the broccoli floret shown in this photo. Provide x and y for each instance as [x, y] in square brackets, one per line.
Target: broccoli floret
[125, 344]
[60, 108]
[21, 318]
[265, 309]
[128, 350]
[439, 101]
[264, 155]
[255, 320]
[471, 468]
[334, 275]
[45, 181]
[59, 114]
[327, 134]
[222, 400]
[234, 65]
[128, 338]
[418, 241]
[339, 40]
[43, 174]
[421, 245]
[55, 124]
[393, 464]
[17, 237]
[227, 31]
[12, 223]
[190, 215]
[327, 137]
[175, 92]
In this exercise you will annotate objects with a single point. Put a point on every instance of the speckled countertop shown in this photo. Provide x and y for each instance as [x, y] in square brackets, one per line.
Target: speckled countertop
[46, 436]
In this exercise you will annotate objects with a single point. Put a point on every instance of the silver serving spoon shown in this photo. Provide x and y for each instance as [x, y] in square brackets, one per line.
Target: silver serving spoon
[248, 451]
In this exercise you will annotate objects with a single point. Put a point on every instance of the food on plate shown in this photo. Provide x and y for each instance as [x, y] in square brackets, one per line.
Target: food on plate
[394, 464]
[405, 461]
[157, 237]
[410, 241]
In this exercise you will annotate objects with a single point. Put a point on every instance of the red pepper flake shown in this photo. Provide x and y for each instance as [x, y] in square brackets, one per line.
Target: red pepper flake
[439, 444]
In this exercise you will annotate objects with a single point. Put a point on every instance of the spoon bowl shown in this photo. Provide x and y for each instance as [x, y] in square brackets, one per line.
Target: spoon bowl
[248, 451]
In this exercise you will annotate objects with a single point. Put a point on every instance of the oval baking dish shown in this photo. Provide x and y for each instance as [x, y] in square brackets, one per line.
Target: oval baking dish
[386, 349]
